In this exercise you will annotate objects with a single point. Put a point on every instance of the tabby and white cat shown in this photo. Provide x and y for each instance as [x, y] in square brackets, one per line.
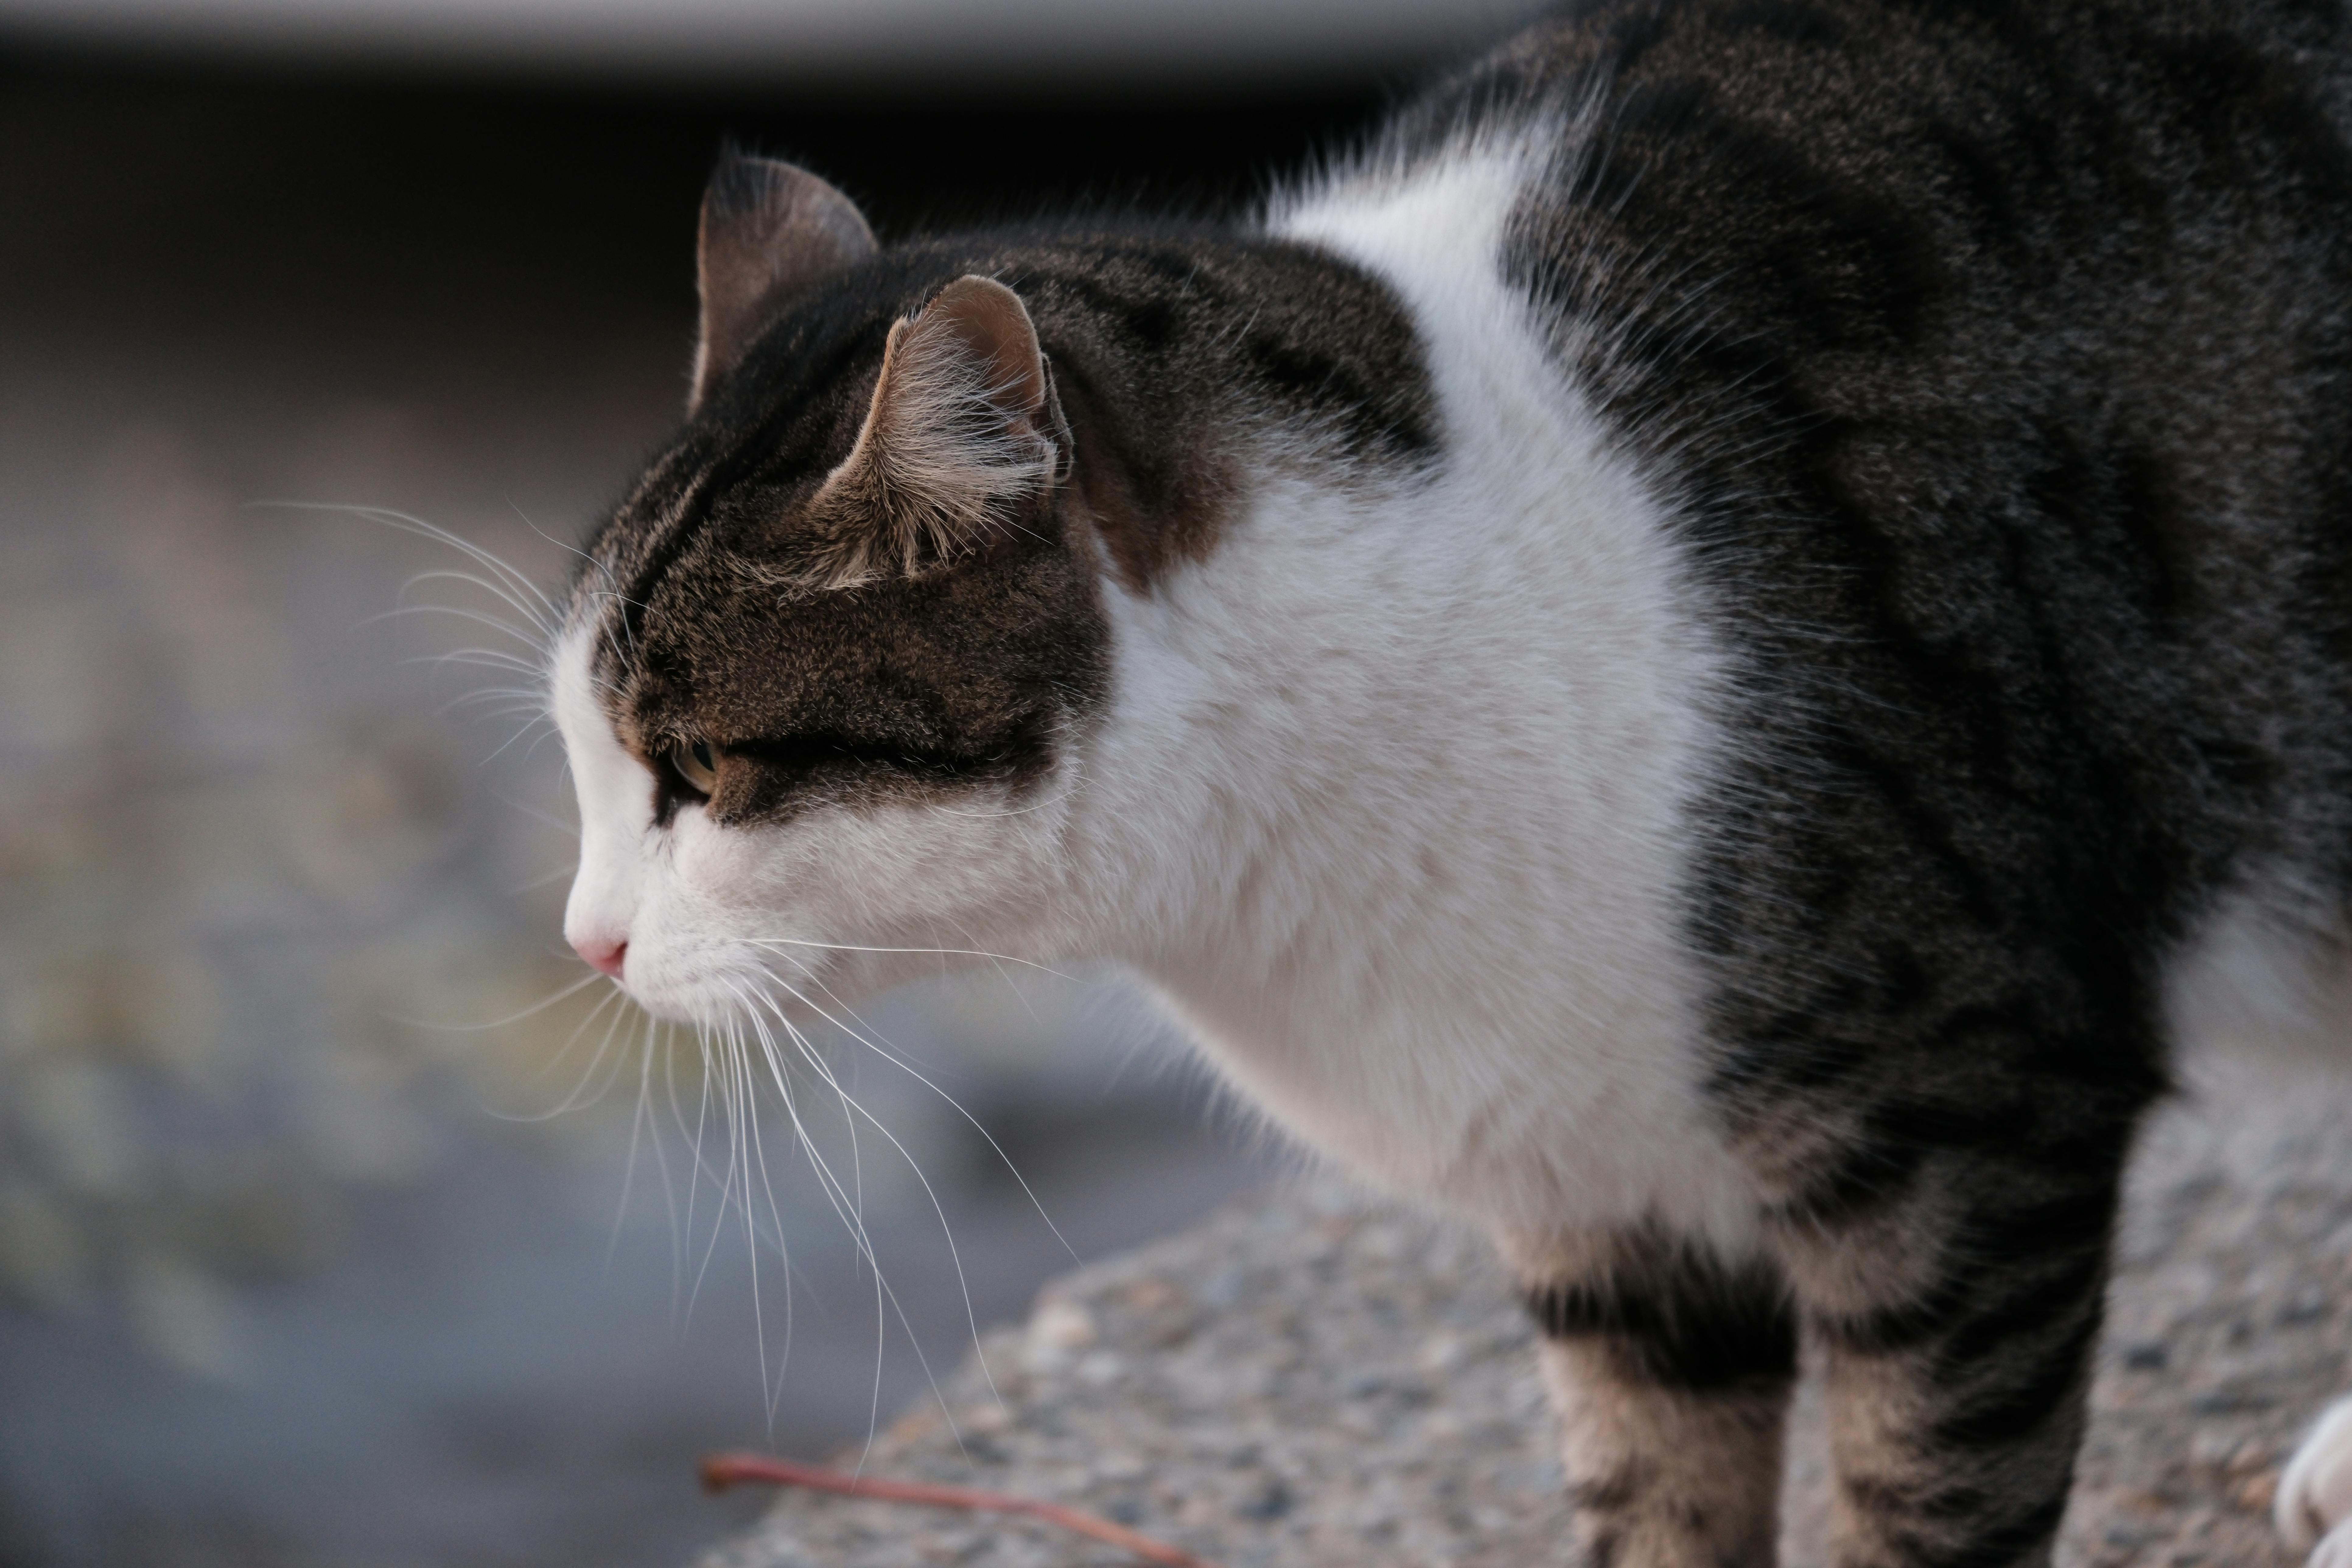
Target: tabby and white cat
[1716, 656]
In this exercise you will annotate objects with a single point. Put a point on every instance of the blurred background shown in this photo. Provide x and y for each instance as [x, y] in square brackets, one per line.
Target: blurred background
[322, 1241]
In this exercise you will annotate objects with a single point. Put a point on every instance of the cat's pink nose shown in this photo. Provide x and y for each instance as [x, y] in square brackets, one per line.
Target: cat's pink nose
[604, 952]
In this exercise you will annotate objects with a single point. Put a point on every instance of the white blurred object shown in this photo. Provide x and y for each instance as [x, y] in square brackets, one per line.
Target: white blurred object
[2314, 1506]
[936, 38]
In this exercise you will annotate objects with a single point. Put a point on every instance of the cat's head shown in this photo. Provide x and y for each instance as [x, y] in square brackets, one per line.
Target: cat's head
[822, 670]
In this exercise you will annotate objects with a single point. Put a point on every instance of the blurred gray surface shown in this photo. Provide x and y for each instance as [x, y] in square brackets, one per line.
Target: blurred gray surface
[1310, 1382]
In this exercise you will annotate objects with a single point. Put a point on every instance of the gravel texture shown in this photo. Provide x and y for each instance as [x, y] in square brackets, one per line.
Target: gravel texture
[1310, 1380]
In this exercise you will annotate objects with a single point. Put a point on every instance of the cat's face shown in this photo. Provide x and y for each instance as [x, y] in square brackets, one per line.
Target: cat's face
[823, 672]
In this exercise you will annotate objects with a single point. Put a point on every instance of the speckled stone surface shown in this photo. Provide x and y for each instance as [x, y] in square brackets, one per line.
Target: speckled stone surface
[1314, 1383]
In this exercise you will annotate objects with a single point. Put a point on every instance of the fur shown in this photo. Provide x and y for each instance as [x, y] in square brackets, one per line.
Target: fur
[1722, 655]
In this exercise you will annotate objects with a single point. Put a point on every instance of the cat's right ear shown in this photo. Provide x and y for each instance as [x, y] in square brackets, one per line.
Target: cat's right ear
[769, 230]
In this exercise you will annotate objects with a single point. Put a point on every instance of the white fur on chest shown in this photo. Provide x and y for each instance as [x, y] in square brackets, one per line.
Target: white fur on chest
[1399, 772]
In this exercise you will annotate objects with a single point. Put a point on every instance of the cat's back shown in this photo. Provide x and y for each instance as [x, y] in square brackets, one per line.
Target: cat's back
[1888, 207]
[1990, 363]
[1776, 241]
[1995, 357]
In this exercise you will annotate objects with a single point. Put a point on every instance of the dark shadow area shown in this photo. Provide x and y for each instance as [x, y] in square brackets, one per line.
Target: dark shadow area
[153, 198]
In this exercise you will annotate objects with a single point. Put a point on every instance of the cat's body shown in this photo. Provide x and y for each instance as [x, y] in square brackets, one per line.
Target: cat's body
[1716, 657]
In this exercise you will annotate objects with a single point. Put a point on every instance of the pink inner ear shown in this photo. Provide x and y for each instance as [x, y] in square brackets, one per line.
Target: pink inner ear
[993, 323]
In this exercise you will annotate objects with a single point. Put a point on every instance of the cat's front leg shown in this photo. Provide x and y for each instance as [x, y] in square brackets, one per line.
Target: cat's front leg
[1671, 1370]
[1957, 1307]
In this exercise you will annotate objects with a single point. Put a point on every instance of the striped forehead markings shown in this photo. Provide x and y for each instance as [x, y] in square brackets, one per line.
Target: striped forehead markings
[665, 540]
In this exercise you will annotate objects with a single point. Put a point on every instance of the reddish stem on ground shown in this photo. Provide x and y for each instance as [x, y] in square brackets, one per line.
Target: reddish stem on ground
[721, 1471]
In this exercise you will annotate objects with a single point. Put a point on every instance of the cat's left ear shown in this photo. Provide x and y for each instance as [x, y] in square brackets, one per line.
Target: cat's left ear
[964, 438]
[769, 230]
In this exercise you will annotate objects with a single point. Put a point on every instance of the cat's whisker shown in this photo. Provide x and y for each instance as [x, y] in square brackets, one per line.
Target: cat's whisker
[680, 1221]
[846, 1204]
[489, 659]
[842, 1199]
[818, 1064]
[954, 1104]
[641, 1126]
[731, 1082]
[998, 965]
[917, 952]
[517, 587]
[573, 989]
[534, 721]
[627, 632]
[770, 1391]
[544, 734]
[682, 1226]
[531, 637]
[614, 595]
[589, 1091]
[570, 829]
[531, 698]
[519, 702]
[702, 1042]
[532, 634]
[586, 559]
[572, 1101]
[531, 885]
[538, 732]
[730, 1092]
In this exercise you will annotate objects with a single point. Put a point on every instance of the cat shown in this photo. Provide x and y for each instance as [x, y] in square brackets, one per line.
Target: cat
[1713, 655]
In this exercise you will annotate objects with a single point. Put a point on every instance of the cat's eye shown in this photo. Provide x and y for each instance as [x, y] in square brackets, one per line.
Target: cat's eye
[696, 765]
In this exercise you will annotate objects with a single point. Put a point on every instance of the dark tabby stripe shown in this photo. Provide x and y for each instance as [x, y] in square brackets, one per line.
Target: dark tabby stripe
[1678, 1318]
[1681, 1365]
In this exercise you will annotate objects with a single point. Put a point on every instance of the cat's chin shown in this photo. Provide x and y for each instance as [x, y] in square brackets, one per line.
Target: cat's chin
[727, 1002]
[726, 1013]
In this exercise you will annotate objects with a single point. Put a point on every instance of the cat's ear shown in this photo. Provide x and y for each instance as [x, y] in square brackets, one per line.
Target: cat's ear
[769, 230]
[962, 438]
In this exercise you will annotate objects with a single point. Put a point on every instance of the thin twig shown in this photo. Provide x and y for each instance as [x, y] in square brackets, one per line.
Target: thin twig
[721, 1471]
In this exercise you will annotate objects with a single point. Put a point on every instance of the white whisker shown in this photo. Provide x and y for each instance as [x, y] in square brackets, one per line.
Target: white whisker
[560, 874]
[918, 951]
[570, 829]
[513, 585]
[937, 1208]
[540, 1006]
[953, 1103]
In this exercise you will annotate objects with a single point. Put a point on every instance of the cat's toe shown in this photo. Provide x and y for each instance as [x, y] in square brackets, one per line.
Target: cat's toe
[2315, 1495]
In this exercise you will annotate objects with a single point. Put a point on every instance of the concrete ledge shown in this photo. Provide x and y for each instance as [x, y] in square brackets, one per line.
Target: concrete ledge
[1310, 1382]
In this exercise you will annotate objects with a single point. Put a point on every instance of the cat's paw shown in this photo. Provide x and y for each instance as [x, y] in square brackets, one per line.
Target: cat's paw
[2314, 1512]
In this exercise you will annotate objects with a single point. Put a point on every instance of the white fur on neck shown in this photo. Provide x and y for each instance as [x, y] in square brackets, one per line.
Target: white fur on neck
[1396, 777]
